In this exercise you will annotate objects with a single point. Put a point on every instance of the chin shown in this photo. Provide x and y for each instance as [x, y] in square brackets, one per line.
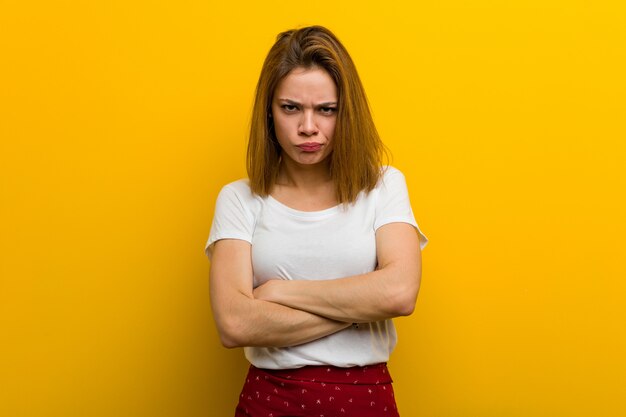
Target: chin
[312, 161]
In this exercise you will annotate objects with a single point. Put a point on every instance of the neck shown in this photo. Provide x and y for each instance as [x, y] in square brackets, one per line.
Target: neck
[303, 176]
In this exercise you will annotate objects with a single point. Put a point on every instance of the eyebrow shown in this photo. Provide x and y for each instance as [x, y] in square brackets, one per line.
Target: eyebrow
[293, 102]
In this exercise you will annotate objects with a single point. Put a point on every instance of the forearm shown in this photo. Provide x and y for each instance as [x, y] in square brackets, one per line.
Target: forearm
[388, 292]
[252, 322]
[374, 296]
[243, 320]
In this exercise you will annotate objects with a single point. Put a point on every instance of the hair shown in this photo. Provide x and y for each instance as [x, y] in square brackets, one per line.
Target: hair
[357, 155]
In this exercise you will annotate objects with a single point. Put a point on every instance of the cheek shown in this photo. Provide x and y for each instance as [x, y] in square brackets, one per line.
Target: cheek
[281, 126]
[328, 128]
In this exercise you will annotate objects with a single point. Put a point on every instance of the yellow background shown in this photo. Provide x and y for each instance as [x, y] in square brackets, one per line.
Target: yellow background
[121, 120]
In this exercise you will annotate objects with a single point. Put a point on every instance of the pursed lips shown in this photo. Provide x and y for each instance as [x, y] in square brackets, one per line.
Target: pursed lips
[310, 146]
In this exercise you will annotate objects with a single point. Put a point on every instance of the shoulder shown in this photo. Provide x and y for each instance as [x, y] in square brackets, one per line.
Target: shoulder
[234, 214]
[239, 190]
[238, 194]
[392, 187]
[241, 187]
[390, 175]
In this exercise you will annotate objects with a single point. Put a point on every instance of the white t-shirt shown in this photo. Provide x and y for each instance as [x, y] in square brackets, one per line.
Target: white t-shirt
[327, 244]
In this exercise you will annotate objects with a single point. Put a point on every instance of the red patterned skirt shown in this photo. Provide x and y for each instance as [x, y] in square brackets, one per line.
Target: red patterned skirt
[318, 391]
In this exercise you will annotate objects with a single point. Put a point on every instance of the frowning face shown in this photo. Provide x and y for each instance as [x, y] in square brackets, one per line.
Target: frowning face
[304, 110]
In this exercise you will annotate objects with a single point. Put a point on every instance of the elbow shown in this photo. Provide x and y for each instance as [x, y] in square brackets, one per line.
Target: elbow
[228, 341]
[232, 327]
[402, 302]
[404, 307]
[230, 334]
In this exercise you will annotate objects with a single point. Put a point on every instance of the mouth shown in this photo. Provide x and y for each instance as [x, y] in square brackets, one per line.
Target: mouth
[310, 146]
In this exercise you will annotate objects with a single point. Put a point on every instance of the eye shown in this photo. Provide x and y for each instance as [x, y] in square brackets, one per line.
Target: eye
[328, 110]
[289, 108]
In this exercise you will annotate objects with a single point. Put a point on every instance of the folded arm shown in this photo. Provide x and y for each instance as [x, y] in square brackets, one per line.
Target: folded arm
[243, 320]
[388, 292]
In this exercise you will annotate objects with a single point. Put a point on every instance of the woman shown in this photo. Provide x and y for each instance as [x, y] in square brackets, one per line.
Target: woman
[316, 252]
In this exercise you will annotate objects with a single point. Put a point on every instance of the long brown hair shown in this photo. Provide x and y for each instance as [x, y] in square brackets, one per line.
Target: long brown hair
[356, 158]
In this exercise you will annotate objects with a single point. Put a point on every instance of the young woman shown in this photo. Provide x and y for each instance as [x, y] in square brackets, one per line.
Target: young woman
[314, 254]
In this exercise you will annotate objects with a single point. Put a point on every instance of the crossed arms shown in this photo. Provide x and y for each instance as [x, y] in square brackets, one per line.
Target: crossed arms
[283, 313]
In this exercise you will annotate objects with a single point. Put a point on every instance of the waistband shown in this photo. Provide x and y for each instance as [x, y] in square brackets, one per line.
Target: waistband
[358, 375]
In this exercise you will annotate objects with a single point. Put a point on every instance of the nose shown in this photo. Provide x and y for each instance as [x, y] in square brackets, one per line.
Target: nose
[308, 126]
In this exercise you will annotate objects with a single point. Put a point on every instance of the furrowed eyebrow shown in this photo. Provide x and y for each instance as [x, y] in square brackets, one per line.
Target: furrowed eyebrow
[295, 103]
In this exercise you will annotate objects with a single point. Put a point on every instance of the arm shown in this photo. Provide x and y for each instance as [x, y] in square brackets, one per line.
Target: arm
[244, 321]
[390, 291]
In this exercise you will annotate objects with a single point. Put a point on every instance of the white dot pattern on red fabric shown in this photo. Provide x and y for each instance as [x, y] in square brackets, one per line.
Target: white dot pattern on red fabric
[270, 396]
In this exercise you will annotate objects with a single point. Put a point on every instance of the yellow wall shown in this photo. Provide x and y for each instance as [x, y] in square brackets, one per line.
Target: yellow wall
[120, 121]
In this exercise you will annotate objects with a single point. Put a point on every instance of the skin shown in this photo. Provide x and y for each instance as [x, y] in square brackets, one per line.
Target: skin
[304, 109]
[243, 320]
[286, 313]
[388, 292]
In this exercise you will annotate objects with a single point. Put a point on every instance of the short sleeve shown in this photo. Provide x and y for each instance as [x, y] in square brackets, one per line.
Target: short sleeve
[393, 204]
[232, 218]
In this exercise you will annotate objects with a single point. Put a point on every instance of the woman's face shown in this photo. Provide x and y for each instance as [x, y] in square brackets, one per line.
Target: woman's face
[304, 109]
